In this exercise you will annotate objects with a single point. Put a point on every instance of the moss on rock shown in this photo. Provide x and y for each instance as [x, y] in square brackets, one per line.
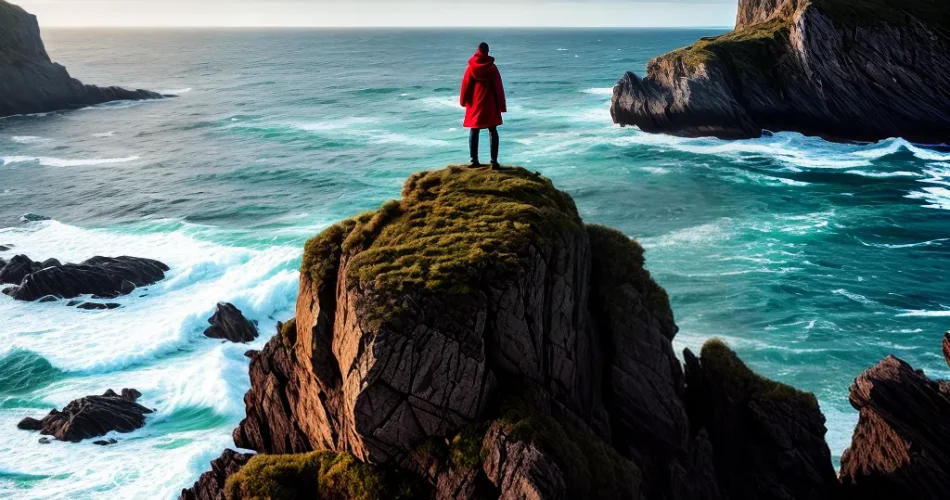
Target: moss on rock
[320, 475]
[453, 231]
[591, 467]
[752, 50]
[722, 364]
[618, 260]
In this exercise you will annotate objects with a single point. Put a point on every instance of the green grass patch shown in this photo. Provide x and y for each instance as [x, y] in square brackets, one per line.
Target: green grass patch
[454, 231]
[754, 49]
[742, 383]
[320, 475]
[466, 449]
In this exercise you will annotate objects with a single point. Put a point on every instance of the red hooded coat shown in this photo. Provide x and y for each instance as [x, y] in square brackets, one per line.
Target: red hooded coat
[483, 95]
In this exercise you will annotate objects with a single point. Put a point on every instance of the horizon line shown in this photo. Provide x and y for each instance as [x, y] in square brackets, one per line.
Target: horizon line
[363, 27]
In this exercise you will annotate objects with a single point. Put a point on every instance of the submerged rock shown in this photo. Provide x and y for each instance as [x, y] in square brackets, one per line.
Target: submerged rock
[210, 486]
[31, 83]
[102, 277]
[834, 68]
[229, 323]
[92, 416]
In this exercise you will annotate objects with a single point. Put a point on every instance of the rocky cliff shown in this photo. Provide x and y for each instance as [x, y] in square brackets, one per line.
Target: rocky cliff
[834, 68]
[31, 83]
[476, 340]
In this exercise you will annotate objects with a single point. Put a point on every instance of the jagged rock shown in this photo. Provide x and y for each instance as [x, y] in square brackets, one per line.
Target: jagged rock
[102, 277]
[105, 442]
[32, 83]
[4, 248]
[412, 320]
[901, 445]
[834, 68]
[18, 268]
[210, 486]
[92, 416]
[229, 323]
[768, 439]
[93, 306]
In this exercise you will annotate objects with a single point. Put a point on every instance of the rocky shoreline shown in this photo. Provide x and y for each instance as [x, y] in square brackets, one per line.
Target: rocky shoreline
[842, 70]
[32, 83]
[477, 340]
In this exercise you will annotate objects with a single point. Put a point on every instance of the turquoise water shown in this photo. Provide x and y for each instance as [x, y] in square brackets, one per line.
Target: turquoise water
[813, 259]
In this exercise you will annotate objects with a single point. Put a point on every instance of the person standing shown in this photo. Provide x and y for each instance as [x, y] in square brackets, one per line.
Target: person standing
[483, 97]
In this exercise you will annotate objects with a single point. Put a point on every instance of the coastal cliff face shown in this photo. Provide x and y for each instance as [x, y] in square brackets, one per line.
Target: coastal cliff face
[834, 68]
[476, 340]
[31, 83]
[422, 318]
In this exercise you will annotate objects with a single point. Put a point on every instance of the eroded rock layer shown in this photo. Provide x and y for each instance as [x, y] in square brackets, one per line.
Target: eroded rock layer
[476, 340]
[835, 68]
[414, 320]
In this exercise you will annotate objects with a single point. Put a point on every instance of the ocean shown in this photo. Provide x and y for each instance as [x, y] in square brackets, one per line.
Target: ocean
[812, 259]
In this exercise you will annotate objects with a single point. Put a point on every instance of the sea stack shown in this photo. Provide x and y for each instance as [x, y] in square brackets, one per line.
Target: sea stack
[31, 83]
[841, 69]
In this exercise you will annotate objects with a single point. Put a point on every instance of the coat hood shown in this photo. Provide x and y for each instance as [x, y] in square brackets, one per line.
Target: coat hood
[481, 66]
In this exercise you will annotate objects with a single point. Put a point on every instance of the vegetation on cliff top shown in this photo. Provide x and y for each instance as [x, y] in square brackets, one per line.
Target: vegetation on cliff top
[319, 475]
[756, 48]
[722, 364]
[753, 49]
[453, 230]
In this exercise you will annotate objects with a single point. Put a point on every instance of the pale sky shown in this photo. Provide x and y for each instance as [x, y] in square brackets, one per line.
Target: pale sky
[352, 13]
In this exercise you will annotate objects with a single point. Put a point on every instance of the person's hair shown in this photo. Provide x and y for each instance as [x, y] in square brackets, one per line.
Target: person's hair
[483, 48]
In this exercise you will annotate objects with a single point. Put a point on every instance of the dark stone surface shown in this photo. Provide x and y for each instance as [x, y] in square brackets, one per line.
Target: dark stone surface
[763, 447]
[101, 277]
[901, 445]
[210, 486]
[815, 75]
[92, 416]
[229, 323]
[31, 83]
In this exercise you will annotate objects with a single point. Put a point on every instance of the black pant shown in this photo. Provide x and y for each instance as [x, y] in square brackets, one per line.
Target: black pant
[473, 143]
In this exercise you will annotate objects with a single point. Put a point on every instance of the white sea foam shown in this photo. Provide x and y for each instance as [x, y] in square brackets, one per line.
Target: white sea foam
[175, 91]
[154, 321]
[47, 161]
[105, 134]
[906, 245]
[937, 197]
[943, 313]
[856, 297]
[882, 175]
[28, 139]
[154, 344]
[599, 91]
